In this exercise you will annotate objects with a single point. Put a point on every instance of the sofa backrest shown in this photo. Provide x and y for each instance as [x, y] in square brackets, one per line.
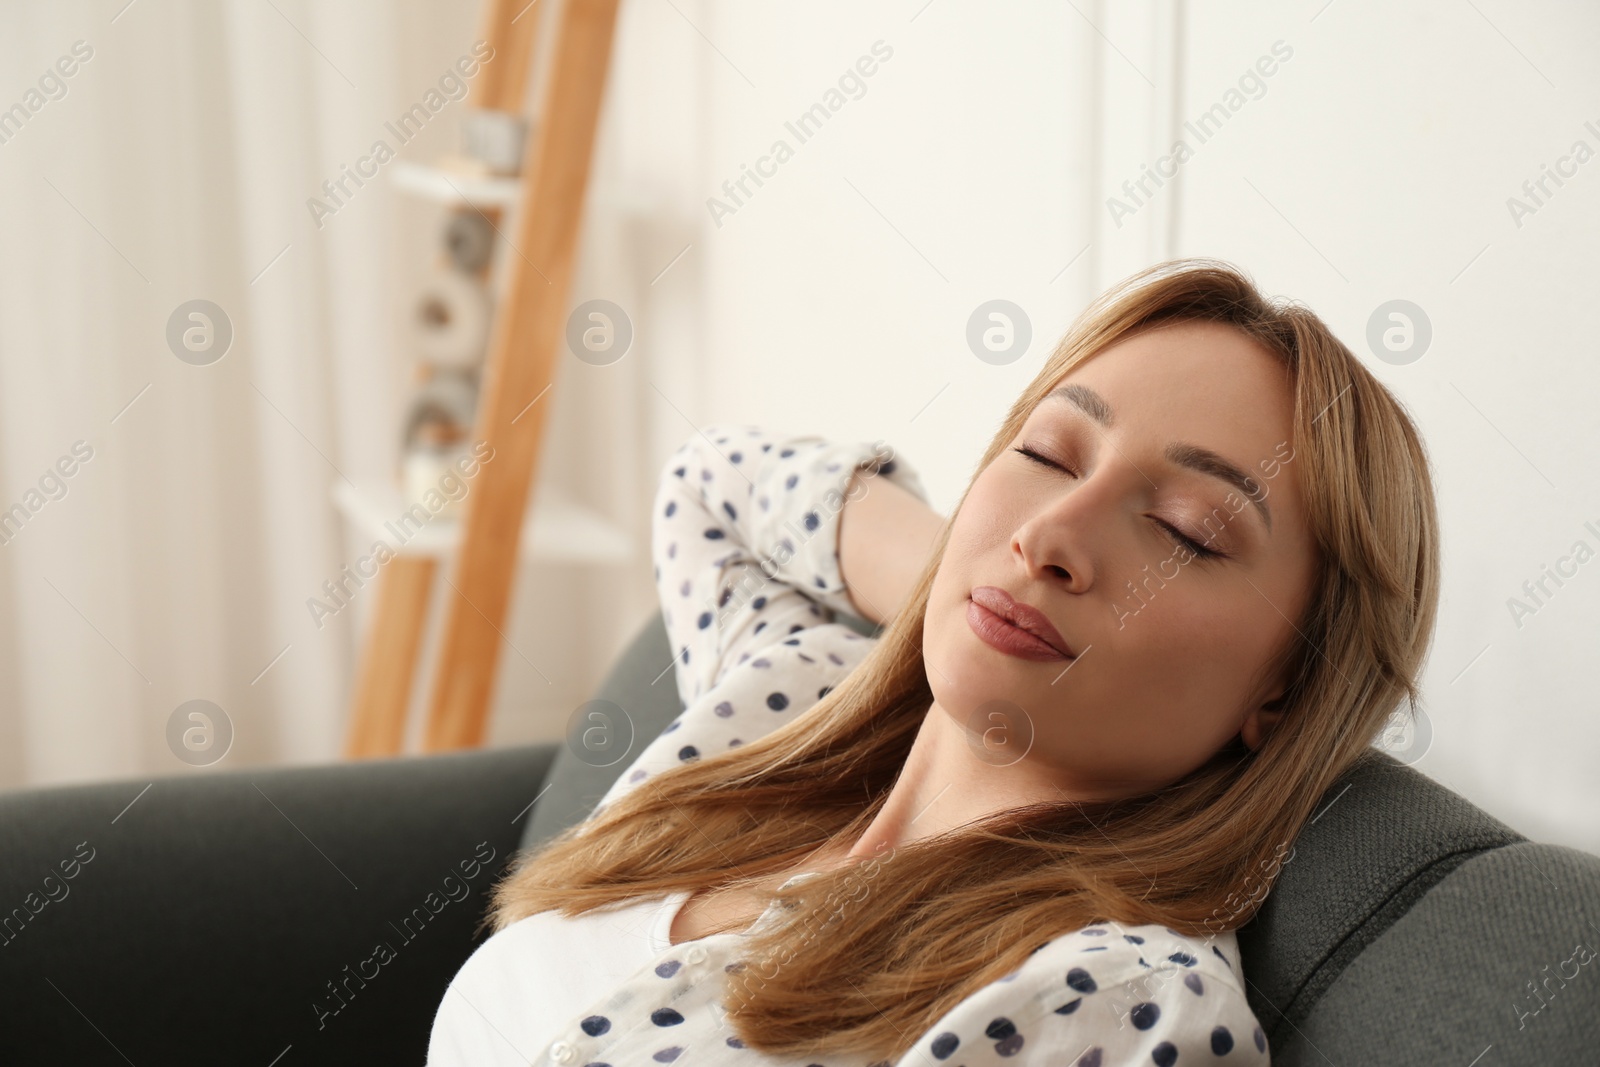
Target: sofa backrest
[641, 685]
[1381, 838]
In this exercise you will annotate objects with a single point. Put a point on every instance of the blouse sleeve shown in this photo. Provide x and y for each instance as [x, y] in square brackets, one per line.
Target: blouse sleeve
[745, 542]
[1141, 1022]
[744, 538]
[1180, 1010]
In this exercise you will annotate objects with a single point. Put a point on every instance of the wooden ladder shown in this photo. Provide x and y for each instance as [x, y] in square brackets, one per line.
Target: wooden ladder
[519, 369]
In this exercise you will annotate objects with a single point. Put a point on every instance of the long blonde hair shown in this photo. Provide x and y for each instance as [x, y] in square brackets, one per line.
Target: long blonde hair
[949, 914]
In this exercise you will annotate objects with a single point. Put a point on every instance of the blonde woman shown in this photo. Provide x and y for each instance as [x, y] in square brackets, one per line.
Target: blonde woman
[1194, 574]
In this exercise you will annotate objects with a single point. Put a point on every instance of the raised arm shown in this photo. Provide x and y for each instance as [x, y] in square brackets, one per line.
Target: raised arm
[744, 538]
[745, 543]
[886, 535]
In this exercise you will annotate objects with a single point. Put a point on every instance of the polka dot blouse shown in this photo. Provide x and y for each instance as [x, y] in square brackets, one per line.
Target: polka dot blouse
[745, 545]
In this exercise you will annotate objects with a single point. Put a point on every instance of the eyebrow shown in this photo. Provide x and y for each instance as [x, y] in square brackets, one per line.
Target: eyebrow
[1195, 458]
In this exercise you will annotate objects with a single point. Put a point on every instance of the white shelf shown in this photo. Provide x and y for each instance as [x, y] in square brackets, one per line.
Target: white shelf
[555, 527]
[450, 186]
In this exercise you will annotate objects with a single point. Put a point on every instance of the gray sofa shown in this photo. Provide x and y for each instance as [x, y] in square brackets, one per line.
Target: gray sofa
[236, 917]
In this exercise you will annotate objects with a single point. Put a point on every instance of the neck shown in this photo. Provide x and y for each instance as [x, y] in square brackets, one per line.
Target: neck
[956, 774]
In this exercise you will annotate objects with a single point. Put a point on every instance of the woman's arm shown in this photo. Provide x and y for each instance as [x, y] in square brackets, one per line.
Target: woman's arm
[886, 535]
[744, 540]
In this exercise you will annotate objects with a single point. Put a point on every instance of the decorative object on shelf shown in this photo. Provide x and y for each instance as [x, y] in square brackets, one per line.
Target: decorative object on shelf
[451, 319]
[469, 239]
[438, 433]
[496, 138]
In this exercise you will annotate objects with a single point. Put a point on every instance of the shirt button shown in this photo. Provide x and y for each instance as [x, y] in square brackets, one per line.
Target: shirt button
[562, 1052]
[697, 955]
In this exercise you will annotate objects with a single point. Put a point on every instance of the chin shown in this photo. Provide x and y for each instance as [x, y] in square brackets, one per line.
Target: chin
[969, 672]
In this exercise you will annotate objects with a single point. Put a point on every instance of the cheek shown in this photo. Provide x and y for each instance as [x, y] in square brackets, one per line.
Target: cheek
[977, 532]
[1196, 638]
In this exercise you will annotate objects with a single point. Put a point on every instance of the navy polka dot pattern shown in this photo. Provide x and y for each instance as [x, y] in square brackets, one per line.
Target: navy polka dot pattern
[1089, 997]
[744, 537]
[745, 550]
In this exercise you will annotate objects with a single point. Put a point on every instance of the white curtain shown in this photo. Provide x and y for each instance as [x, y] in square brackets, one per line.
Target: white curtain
[175, 163]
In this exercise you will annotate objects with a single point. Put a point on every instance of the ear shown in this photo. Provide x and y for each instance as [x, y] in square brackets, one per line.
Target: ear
[1261, 721]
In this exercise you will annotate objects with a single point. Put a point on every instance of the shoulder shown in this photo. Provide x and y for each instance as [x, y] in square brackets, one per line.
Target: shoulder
[1143, 990]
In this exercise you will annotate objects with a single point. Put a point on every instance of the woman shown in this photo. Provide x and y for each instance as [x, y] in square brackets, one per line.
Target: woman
[1194, 574]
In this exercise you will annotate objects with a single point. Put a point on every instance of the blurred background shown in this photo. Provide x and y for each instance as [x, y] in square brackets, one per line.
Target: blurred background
[1422, 175]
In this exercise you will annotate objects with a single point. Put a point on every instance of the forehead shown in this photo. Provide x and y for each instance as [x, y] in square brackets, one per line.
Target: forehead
[1183, 380]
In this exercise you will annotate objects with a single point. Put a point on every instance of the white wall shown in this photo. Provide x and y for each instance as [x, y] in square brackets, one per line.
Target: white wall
[837, 297]
[1378, 165]
[1375, 165]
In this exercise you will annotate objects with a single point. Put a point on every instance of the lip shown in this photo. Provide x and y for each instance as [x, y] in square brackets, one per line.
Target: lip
[1013, 627]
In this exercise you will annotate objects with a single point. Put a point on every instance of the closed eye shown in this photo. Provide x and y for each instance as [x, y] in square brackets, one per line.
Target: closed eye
[1183, 539]
[1037, 458]
[1177, 536]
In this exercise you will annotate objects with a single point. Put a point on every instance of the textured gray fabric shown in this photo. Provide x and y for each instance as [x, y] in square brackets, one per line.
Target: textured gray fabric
[643, 684]
[1448, 982]
[214, 909]
[1384, 835]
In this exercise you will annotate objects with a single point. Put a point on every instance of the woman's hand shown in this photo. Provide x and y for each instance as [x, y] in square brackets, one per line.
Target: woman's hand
[886, 534]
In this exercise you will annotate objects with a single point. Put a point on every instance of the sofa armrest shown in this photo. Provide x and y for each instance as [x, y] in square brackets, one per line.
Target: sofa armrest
[227, 917]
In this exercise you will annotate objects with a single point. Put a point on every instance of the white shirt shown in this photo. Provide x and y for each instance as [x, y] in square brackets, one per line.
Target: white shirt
[508, 1003]
[608, 989]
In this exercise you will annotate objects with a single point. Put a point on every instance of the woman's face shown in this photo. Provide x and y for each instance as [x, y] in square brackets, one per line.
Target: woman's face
[1167, 447]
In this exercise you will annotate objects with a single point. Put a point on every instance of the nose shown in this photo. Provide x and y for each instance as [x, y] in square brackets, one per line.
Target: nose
[1058, 541]
[1046, 555]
